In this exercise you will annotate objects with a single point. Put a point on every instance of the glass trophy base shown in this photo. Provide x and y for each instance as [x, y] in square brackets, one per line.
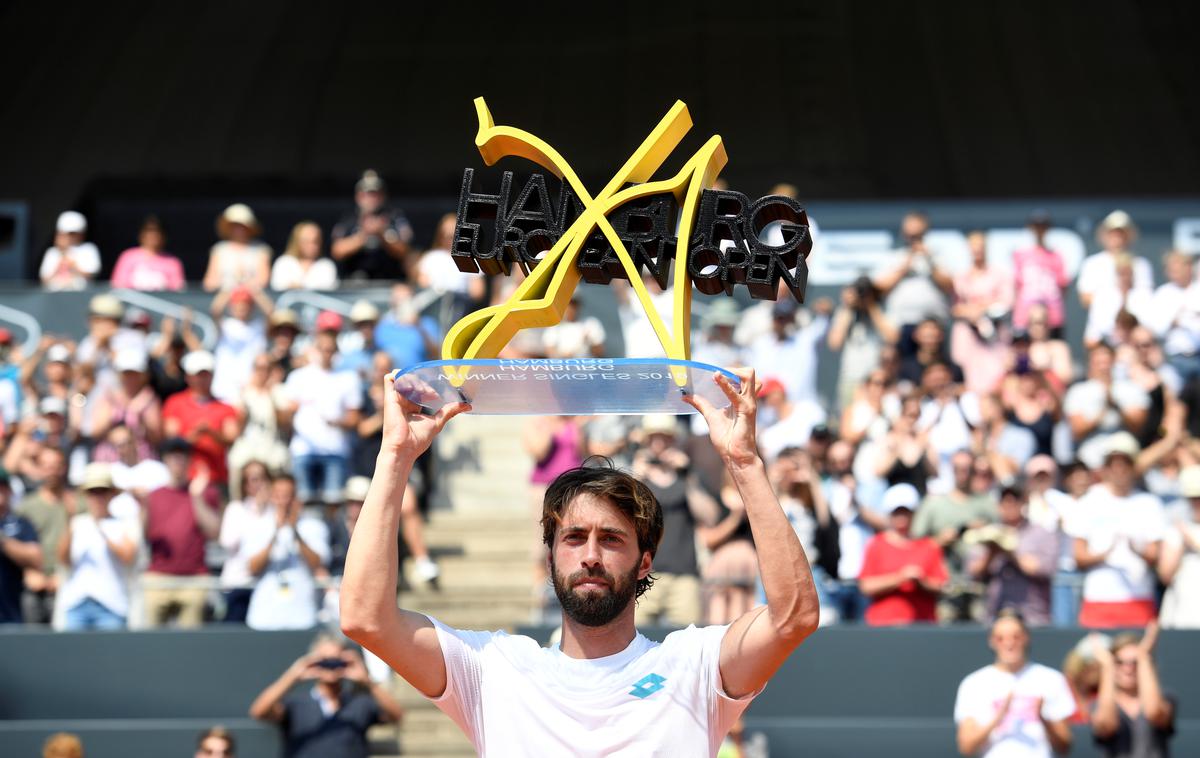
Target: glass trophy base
[562, 387]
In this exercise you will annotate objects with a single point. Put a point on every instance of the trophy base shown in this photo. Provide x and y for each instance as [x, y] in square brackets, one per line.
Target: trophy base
[562, 387]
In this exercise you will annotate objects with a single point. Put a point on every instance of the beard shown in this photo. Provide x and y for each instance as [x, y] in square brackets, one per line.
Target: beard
[595, 606]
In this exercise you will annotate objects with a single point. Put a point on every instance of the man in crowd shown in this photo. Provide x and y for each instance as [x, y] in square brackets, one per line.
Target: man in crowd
[19, 552]
[789, 351]
[207, 424]
[917, 287]
[47, 509]
[1117, 544]
[1015, 560]
[331, 718]
[360, 353]
[1013, 706]
[180, 518]
[373, 241]
[1102, 405]
[325, 406]
[901, 575]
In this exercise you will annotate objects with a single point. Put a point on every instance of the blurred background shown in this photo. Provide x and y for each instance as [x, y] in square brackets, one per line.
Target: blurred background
[222, 223]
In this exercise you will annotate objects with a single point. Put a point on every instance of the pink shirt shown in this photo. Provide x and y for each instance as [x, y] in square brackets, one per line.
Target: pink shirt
[140, 269]
[1040, 278]
[987, 287]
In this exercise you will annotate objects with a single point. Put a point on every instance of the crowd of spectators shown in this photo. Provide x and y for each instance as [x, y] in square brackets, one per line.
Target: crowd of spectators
[962, 463]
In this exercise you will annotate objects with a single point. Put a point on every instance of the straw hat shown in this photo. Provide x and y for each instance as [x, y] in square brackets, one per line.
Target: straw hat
[1118, 219]
[97, 476]
[238, 213]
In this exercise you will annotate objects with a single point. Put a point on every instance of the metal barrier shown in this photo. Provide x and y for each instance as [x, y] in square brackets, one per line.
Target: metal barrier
[208, 327]
[26, 323]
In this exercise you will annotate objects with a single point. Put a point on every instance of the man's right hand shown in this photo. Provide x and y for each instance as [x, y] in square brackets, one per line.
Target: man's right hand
[407, 432]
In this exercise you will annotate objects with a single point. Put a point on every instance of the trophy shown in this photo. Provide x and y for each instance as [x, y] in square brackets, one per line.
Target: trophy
[633, 225]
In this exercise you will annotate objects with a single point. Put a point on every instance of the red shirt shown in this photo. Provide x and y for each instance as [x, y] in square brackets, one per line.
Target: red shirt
[176, 542]
[910, 601]
[207, 448]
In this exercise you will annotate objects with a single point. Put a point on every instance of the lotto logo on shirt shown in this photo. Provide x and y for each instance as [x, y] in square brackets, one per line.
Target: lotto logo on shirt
[647, 685]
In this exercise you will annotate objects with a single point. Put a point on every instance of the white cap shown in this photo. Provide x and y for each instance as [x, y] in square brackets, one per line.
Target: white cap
[901, 496]
[1189, 481]
[97, 476]
[130, 359]
[356, 489]
[363, 311]
[197, 361]
[58, 354]
[1122, 443]
[52, 404]
[239, 213]
[660, 423]
[71, 222]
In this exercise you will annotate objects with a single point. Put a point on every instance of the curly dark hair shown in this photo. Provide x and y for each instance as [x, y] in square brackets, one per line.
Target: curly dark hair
[600, 477]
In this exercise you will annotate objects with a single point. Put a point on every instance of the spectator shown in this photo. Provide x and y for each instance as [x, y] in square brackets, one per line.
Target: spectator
[288, 554]
[242, 338]
[1097, 278]
[243, 518]
[358, 348]
[789, 352]
[180, 519]
[944, 518]
[867, 416]
[731, 574]
[209, 425]
[1031, 403]
[239, 258]
[1045, 351]
[1015, 559]
[802, 497]
[637, 330]
[574, 337]
[1117, 545]
[1008, 447]
[1102, 405]
[104, 338]
[853, 507]
[983, 298]
[331, 719]
[404, 333]
[917, 288]
[47, 509]
[131, 404]
[1176, 314]
[368, 435]
[260, 404]
[373, 241]
[859, 331]
[19, 552]
[1133, 716]
[785, 422]
[904, 455]
[666, 469]
[324, 405]
[216, 742]
[1013, 707]
[1179, 567]
[148, 267]
[70, 263]
[436, 270]
[166, 367]
[62, 745]
[1105, 315]
[1057, 511]
[1040, 277]
[132, 474]
[47, 429]
[301, 266]
[1082, 671]
[99, 551]
[1141, 361]
[901, 575]
[283, 329]
[54, 357]
[412, 529]
[922, 346]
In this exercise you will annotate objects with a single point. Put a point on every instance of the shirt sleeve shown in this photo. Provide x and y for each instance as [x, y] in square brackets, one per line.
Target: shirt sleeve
[462, 653]
[1059, 703]
[870, 564]
[316, 535]
[49, 263]
[87, 257]
[120, 275]
[966, 702]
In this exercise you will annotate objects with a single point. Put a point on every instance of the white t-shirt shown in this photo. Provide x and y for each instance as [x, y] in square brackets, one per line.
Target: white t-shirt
[512, 697]
[323, 398]
[1020, 734]
[1089, 399]
[95, 570]
[242, 520]
[144, 476]
[240, 343]
[792, 431]
[439, 271]
[286, 274]
[286, 595]
[1098, 275]
[1108, 521]
[793, 360]
[56, 276]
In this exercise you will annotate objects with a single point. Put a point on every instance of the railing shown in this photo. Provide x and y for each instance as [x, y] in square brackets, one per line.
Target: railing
[163, 307]
[26, 323]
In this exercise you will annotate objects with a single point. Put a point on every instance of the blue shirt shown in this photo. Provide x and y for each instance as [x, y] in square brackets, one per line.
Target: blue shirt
[404, 342]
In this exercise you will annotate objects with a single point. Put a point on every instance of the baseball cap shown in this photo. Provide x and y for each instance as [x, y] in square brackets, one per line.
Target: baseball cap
[1121, 443]
[769, 385]
[370, 182]
[356, 489]
[363, 311]
[1041, 464]
[58, 354]
[197, 361]
[5, 336]
[722, 313]
[901, 496]
[71, 222]
[97, 476]
[1189, 481]
[241, 294]
[328, 321]
[130, 359]
[660, 423]
[51, 404]
[106, 306]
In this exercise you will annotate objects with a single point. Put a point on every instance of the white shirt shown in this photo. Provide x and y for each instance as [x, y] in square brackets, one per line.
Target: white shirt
[86, 258]
[144, 476]
[95, 570]
[286, 595]
[793, 360]
[1020, 734]
[286, 274]
[1102, 315]
[439, 271]
[240, 343]
[242, 519]
[1098, 275]
[1089, 399]
[1176, 317]
[1108, 521]
[792, 431]
[573, 339]
[512, 697]
[323, 397]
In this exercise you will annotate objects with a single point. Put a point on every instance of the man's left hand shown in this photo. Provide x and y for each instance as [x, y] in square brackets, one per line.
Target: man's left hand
[732, 429]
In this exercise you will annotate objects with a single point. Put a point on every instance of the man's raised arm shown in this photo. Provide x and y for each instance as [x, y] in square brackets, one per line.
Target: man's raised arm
[758, 642]
[405, 640]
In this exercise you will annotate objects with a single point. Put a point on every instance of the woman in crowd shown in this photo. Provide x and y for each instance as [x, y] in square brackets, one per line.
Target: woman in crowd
[130, 403]
[859, 331]
[904, 455]
[1045, 351]
[731, 574]
[251, 514]
[1132, 715]
[983, 295]
[867, 416]
[1032, 403]
[301, 265]
[148, 267]
[240, 258]
[262, 439]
